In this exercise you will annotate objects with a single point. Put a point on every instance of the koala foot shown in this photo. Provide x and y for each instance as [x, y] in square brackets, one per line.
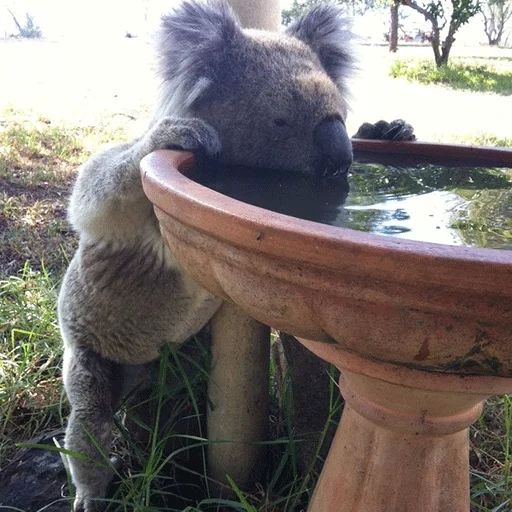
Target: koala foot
[88, 505]
[397, 130]
[187, 134]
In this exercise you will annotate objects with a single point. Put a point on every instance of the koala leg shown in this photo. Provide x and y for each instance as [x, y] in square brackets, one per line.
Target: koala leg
[94, 387]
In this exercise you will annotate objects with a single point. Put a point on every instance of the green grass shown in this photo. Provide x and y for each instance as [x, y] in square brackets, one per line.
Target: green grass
[169, 472]
[37, 164]
[491, 457]
[30, 354]
[460, 74]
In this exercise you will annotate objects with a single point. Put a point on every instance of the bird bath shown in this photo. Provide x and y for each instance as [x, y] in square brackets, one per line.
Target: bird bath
[420, 331]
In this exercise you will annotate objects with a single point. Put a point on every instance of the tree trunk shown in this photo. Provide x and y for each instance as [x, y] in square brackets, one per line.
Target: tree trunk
[446, 47]
[500, 33]
[436, 43]
[393, 33]
[19, 27]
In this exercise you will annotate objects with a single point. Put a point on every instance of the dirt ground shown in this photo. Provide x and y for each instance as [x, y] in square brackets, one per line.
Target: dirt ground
[80, 83]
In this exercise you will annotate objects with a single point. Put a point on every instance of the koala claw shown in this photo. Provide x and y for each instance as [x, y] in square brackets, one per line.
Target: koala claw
[400, 130]
[187, 134]
[397, 130]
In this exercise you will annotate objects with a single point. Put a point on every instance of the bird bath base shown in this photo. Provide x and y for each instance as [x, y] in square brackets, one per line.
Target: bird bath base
[402, 443]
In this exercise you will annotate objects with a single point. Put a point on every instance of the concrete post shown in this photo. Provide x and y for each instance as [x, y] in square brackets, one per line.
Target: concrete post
[264, 14]
[239, 379]
[239, 396]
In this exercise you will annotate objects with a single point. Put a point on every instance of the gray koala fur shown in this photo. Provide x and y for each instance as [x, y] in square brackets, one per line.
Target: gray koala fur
[239, 96]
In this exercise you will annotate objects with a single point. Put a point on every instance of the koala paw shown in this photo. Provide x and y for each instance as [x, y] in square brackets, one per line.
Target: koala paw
[186, 134]
[397, 130]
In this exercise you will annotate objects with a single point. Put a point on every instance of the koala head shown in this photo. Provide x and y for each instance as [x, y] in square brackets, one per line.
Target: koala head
[277, 100]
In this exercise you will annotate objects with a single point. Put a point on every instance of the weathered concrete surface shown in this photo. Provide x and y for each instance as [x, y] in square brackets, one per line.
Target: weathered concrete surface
[239, 396]
[264, 14]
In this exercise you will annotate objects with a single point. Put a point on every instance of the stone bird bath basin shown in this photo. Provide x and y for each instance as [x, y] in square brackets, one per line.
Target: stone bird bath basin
[421, 332]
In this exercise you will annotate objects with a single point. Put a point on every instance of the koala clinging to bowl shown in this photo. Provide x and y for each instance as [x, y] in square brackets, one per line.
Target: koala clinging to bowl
[241, 97]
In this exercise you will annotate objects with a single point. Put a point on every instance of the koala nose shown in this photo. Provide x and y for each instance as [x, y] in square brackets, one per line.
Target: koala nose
[331, 137]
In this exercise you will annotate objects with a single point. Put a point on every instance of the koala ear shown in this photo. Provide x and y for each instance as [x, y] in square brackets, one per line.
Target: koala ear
[329, 35]
[192, 47]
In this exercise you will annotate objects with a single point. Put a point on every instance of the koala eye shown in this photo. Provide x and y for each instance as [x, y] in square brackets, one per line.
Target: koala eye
[280, 122]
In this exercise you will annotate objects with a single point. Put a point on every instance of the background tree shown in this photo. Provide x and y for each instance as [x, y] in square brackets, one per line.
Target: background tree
[496, 14]
[437, 13]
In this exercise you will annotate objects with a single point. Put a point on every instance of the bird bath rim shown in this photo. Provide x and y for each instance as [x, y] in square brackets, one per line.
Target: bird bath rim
[221, 207]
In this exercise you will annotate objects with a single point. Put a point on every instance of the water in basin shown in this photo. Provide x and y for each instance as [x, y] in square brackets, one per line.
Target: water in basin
[432, 203]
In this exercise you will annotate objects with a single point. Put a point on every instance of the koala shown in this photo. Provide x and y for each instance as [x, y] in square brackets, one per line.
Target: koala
[230, 95]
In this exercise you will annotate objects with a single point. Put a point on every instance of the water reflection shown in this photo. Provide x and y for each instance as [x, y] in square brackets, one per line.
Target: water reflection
[424, 217]
[448, 205]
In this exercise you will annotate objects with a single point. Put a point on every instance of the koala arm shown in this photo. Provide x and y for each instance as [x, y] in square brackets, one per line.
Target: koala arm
[108, 202]
[382, 130]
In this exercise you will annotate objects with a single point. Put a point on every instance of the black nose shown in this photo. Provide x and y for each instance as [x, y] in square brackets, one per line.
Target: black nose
[335, 147]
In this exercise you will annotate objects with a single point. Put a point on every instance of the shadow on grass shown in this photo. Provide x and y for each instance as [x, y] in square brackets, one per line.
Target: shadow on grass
[457, 75]
[33, 228]
[36, 171]
[38, 163]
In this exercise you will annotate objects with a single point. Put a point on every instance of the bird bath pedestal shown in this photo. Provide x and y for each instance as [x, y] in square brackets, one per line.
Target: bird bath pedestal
[421, 332]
